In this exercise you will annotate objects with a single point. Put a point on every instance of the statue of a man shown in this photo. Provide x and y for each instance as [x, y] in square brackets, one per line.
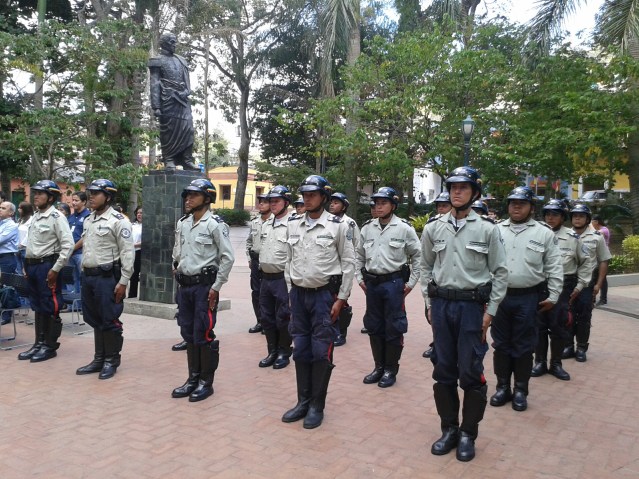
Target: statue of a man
[170, 90]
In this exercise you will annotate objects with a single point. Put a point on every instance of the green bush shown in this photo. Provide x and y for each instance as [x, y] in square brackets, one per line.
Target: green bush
[419, 222]
[630, 247]
[234, 217]
[620, 264]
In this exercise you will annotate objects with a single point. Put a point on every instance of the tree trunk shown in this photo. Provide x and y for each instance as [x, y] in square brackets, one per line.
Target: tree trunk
[207, 47]
[351, 170]
[243, 152]
[633, 177]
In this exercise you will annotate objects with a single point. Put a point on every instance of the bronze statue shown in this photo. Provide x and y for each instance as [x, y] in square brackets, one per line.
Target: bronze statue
[170, 90]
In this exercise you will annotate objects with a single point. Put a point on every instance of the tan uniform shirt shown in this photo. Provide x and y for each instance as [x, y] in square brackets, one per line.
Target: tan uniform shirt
[532, 256]
[107, 238]
[386, 250]
[576, 257]
[464, 259]
[49, 233]
[178, 239]
[253, 240]
[320, 250]
[273, 245]
[205, 243]
[596, 244]
[351, 222]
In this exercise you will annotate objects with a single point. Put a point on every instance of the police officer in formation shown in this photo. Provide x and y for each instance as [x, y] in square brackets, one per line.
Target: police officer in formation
[204, 262]
[275, 313]
[442, 206]
[107, 266]
[464, 278]
[577, 270]
[535, 276]
[49, 247]
[320, 266]
[253, 255]
[387, 246]
[480, 208]
[298, 204]
[338, 207]
[581, 216]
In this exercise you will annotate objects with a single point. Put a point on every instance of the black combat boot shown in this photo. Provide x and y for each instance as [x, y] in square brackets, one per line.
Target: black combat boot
[522, 367]
[429, 352]
[541, 354]
[193, 361]
[303, 372]
[271, 347]
[378, 344]
[447, 402]
[181, 346]
[580, 354]
[344, 321]
[472, 414]
[113, 341]
[501, 365]
[96, 365]
[52, 330]
[392, 354]
[39, 338]
[256, 329]
[568, 352]
[556, 369]
[320, 377]
[284, 341]
[209, 361]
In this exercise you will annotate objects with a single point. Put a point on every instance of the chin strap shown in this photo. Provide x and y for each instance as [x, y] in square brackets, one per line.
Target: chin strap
[282, 210]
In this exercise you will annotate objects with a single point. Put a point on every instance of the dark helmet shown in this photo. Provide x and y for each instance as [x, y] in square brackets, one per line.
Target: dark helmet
[581, 208]
[201, 185]
[388, 193]
[263, 196]
[105, 186]
[464, 174]
[341, 197]
[443, 197]
[316, 183]
[49, 187]
[280, 191]
[299, 201]
[480, 207]
[556, 205]
[522, 193]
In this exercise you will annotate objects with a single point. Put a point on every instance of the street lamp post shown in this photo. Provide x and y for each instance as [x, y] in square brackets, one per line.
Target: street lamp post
[468, 126]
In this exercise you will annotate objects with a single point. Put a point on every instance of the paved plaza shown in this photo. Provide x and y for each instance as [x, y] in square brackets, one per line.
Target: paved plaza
[54, 424]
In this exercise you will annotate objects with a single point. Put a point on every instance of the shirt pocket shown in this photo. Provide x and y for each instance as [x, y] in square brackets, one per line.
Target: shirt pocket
[534, 254]
[396, 250]
[203, 244]
[323, 249]
[477, 256]
[103, 231]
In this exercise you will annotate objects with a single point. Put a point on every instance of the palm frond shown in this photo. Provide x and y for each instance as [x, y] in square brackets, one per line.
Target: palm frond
[549, 20]
[618, 24]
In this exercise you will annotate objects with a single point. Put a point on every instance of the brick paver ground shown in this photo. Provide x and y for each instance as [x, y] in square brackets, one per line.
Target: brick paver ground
[54, 424]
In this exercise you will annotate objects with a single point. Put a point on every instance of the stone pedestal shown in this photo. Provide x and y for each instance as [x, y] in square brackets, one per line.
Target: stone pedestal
[163, 206]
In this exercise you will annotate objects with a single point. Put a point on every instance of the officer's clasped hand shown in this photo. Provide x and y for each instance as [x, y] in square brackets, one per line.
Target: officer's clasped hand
[545, 305]
[119, 291]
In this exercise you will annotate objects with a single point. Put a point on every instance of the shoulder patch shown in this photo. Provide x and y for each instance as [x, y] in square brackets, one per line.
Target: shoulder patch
[351, 223]
[125, 233]
[55, 214]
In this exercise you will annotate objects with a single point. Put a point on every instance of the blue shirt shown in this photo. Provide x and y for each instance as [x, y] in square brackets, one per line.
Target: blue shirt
[8, 236]
[76, 222]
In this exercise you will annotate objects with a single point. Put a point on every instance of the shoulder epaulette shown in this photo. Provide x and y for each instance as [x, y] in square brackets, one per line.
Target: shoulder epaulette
[352, 224]
[486, 218]
[433, 218]
[335, 219]
[367, 221]
[406, 221]
[55, 214]
[574, 235]
[295, 217]
[119, 216]
[544, 224]
[184, 217]
[218, 218]
[597, 233]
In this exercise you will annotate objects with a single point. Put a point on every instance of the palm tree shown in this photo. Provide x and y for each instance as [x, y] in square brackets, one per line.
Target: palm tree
[617, 24]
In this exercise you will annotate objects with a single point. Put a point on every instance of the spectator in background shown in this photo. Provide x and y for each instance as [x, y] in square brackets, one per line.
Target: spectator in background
[25, 210]
[3, 196]
[600, 225]
[65, 209]
[136, 231]
[8, 245]
[76, 223]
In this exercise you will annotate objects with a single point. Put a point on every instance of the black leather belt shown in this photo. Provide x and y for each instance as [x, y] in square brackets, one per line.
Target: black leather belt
[457, 294]
[380, 278]
[524, 291]
[313, 290]
[279, 275]
[52, 258]
[186, 280]
[5, 255]
[100, 270]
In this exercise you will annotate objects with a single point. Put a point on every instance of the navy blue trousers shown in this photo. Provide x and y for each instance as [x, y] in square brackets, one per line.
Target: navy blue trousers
[311, 327]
